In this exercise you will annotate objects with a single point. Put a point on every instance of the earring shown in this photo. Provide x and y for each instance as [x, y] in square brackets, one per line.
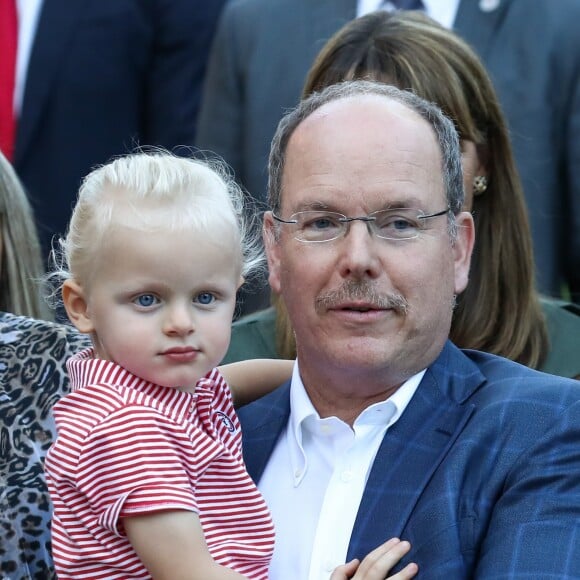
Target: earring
[479, 184]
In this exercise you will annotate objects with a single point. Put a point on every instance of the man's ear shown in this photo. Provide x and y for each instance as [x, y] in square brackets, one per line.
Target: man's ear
[272, 251]
[462, 249]
[76, 306]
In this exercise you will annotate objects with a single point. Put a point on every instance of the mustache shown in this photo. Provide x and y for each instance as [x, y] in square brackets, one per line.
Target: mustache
[355, 290]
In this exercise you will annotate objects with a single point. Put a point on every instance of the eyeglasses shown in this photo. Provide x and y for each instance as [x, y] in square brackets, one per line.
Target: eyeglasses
[388, 224]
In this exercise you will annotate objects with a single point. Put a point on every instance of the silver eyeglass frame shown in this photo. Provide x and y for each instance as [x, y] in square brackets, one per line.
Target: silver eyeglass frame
[368, 219]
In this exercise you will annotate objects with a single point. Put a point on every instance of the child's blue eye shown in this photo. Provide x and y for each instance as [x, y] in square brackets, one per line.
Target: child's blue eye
[205, 298]
[146, 300]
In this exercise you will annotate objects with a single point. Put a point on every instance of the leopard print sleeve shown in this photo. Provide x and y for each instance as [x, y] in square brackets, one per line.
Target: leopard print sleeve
[32, 378]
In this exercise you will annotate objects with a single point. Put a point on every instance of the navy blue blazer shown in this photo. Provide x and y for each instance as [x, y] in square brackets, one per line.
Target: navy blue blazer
[105, 76]
[481, 473]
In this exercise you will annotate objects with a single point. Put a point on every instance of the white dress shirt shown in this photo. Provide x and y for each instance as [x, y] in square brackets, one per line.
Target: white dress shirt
[444, 11]
[28, 14]
[315, 478]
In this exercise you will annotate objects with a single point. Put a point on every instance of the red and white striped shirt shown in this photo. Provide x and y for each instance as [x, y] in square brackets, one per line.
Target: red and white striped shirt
[128, 447]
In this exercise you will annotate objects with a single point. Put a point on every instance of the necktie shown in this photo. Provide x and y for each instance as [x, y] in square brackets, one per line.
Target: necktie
[8, 44]
[403, 5]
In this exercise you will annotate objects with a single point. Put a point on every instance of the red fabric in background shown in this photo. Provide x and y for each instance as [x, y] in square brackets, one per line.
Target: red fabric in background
[8, 46]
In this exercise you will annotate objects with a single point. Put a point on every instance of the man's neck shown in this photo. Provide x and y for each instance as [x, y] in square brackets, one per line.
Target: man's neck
[346, 394]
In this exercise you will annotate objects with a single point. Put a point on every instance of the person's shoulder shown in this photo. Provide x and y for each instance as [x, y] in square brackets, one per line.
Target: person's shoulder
[244, 10]
[558, 309]
[519, 403]
[253, 336]
[33, 354]
[563, 320]
[508, 383]
[40, 337]
[560, 11]
[252, 6]
[266, 316]
[557, 19]
[474, 373]
[271, 409]
[259, 14]
[548, 9]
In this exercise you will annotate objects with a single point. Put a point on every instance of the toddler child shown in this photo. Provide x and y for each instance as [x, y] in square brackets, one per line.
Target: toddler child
[146, 474]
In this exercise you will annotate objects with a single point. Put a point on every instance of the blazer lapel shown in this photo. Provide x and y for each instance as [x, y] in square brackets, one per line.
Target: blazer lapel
[413, 449]
[479, 25]
[262, 423]
[57, 22]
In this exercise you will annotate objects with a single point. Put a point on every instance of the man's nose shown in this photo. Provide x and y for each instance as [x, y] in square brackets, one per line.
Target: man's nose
[359, 252]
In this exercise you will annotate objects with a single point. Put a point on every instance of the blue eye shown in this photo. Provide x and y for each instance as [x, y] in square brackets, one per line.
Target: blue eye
[402, 224]
[146, 300]
[318, 221]
[398, 224]
[321, 224]
[205, 298]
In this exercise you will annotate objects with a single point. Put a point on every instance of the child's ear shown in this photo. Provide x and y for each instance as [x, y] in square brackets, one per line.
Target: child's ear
[76, 306]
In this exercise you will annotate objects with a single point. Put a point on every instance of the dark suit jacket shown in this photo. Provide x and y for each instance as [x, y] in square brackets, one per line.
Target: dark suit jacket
[481, 473]
[263, 49]
[105, 76]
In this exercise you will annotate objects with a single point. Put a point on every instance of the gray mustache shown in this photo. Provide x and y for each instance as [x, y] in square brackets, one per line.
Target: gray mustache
[354, 290]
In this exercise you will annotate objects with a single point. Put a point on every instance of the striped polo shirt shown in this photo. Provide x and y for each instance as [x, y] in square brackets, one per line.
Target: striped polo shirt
[127, 447]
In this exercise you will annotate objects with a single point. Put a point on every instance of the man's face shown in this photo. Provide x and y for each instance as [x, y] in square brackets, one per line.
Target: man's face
[363, 306]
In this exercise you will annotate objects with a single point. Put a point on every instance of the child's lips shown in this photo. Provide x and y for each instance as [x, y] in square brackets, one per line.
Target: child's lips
[181, 353]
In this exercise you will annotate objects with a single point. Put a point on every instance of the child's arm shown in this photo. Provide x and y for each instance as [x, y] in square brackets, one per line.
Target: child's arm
[250, 379]
[171, 546]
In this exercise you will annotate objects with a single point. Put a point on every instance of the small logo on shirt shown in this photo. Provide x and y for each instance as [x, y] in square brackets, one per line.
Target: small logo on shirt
[226, 421]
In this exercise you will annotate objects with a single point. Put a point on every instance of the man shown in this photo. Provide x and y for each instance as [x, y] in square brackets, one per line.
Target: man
[264, 48]
[386, 428]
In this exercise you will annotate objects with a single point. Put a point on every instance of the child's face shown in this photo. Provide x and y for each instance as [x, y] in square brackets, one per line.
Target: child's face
[161, 303]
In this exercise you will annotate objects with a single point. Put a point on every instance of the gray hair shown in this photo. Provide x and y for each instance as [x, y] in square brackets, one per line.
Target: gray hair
[185, 193]
[443, 128]
[21, 266]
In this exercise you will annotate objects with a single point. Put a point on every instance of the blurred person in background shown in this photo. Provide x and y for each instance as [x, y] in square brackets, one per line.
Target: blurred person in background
[85, 81]
[21, 265]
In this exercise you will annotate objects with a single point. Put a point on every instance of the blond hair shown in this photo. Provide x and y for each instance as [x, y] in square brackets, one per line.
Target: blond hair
[21, 268]
[152, 190]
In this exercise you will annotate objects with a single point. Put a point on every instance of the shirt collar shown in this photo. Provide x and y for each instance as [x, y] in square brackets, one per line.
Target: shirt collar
[443, 11]
[302, 412]
[84, 370]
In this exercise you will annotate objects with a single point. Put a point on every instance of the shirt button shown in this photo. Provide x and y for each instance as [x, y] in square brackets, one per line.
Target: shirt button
[329, 566]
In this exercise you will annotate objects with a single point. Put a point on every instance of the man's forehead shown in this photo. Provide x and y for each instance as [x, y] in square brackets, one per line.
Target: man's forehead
[370, 122]
[361, 127]
[373, 109]
[369, 144]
